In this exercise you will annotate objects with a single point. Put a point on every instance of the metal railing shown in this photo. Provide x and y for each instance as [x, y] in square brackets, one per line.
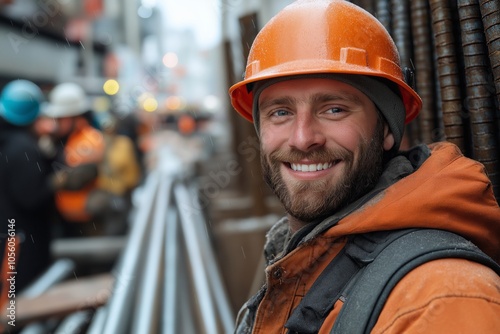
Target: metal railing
[167, 279]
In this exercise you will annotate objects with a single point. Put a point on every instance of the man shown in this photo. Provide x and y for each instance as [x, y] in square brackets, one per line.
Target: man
[325, 91]
[79, 145]
[28, 184]
[119, 175]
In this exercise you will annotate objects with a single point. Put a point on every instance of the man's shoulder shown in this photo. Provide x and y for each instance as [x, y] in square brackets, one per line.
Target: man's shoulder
[19, 142]
[438, 290]
[451, 277]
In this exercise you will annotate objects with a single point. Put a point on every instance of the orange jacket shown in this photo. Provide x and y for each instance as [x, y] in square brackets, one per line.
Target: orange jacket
[448, 191]
[84, 145]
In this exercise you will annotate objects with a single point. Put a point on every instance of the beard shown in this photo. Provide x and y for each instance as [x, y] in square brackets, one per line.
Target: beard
[310, 201]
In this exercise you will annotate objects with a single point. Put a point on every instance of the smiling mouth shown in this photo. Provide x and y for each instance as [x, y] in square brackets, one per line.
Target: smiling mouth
[312, 167]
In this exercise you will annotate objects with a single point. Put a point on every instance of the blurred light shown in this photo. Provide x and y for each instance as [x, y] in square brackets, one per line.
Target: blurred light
[170, 60]
[148, 102]
[211, 102]
[174, 103]
[111, 87]
[144, 12]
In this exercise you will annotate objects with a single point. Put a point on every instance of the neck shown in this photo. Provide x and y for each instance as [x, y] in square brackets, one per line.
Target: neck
[295, 224]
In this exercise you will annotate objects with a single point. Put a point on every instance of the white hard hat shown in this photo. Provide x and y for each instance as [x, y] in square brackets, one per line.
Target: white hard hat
[66, 100]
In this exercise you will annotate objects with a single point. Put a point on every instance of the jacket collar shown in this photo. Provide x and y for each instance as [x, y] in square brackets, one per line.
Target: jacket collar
[279, 239]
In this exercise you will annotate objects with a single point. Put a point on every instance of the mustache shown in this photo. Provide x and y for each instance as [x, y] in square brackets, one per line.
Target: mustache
[321, 154]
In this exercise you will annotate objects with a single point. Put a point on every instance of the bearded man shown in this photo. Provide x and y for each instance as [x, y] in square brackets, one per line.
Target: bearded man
[327, 96]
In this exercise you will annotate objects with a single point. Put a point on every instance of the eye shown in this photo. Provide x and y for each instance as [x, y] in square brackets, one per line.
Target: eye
[280, 112]
[334, 110]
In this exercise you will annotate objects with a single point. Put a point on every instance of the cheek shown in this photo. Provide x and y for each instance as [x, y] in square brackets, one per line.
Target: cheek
[270, 139]
[350, 137]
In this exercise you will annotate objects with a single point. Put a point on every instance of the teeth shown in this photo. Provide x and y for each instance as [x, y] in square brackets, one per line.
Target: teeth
[311, 168]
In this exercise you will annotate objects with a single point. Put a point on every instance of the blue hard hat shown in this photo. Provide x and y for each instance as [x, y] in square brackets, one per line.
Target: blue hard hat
[20, 102]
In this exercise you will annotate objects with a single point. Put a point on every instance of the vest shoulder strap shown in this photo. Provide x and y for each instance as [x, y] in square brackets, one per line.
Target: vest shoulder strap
[365, 300]
[366, 271]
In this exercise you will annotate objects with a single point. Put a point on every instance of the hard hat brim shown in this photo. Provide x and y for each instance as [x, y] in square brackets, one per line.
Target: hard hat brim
[242, 98]
[54, 111]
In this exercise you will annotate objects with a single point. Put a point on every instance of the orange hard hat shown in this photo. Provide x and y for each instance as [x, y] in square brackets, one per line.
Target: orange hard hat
[318, 37]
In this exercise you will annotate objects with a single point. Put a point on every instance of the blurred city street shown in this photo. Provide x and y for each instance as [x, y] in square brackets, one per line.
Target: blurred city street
[155, 73]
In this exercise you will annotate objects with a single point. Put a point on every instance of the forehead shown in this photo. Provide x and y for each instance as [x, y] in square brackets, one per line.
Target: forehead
[305, 87]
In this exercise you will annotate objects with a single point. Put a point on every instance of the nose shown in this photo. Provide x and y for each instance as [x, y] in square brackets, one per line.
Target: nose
[306, 133]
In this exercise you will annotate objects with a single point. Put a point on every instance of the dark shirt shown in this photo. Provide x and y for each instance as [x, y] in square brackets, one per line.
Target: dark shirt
[26, 201]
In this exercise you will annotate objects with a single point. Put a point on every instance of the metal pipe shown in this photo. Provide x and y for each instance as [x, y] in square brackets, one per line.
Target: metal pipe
[121, 301]
[34, 328]
[146, 315]
[169, 322]
[422, 41]
[401, 30]
[74, 323]
[448, 72]
[213, 272]
[97, 324]
[187, 321]
[92, 250]
[480, 101]
[196, 260]
[490, 14]
[58, 271]
[383, 14]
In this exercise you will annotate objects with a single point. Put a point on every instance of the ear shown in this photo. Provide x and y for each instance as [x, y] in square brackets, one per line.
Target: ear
[388, 138]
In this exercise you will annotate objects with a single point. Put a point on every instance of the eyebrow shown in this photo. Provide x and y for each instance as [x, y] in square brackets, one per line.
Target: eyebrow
[316, 98]
[340, 96]
[286, 100]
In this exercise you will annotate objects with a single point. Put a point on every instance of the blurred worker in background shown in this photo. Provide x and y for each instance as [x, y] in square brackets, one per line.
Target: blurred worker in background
[119, 173]
[329, 102]
[130, 126]
[77, 144]
[27, 183]
[186, 124]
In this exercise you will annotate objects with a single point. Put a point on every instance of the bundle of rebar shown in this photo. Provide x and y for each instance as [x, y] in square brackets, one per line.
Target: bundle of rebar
[454, 49]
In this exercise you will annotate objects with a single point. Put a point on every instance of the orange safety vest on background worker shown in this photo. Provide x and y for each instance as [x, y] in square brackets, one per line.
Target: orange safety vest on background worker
[84, 145]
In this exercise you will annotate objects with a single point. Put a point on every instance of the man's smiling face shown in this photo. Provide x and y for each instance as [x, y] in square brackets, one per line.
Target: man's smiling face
[322, 145]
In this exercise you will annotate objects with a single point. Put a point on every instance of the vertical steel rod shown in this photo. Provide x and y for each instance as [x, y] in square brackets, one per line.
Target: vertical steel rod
[170, 291]
[121, 301]
[196, 260]
[214, 277]
[146, 316]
